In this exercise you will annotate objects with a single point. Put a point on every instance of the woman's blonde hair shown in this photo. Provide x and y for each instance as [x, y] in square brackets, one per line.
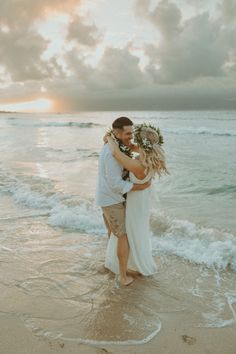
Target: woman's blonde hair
[153, 158]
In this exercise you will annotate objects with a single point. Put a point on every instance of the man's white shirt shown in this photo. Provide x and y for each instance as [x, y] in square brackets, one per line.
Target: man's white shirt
[110, 185]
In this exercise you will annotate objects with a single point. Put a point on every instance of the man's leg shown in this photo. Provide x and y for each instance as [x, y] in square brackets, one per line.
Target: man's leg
[115, 216]
[123, 254]
[107, 225]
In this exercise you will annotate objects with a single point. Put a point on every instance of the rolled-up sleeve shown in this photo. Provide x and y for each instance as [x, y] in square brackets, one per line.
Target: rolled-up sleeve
[114, 178]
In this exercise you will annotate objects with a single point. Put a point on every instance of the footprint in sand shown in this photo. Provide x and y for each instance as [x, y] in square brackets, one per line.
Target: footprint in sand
[103, 350]
[188, 339]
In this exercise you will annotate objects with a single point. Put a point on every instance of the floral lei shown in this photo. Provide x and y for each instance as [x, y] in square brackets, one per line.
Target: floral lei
[125, 149]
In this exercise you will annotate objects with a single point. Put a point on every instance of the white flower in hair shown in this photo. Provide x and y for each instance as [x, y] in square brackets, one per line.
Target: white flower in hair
[147, 143]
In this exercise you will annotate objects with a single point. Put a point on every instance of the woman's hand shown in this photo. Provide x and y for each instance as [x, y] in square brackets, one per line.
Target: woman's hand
[113, 144]
[134, 147]
[105, 137]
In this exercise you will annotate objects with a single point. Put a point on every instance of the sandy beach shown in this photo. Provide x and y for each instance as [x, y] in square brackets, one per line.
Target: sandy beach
[56, 295]
[173, 304]
[175, 337]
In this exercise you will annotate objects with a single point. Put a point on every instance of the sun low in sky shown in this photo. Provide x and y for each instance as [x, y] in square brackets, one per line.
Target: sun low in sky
[117, 55]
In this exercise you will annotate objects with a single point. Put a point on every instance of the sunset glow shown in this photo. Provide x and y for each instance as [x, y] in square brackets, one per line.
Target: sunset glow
[39, 105]
[154, 54]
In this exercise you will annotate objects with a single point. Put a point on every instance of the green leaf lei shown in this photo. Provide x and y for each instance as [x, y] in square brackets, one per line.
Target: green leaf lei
[125, 149]
[145, 143]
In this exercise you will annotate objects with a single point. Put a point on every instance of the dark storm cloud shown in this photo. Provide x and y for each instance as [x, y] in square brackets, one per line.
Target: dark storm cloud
[188, 49]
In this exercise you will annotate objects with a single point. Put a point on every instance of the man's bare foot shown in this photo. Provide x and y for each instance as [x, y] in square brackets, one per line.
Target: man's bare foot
[126, 281]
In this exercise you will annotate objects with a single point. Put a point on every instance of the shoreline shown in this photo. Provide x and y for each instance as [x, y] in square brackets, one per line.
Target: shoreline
[179, 333]
[172, 339]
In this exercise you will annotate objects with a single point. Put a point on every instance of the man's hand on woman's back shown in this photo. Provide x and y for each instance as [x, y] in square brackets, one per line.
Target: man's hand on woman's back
[141, 187]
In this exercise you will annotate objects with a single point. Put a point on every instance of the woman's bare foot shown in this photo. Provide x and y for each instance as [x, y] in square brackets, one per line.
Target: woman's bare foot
[133, 273]
[127, 281]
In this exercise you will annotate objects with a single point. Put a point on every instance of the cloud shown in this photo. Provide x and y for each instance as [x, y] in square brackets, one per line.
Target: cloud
[196, 51]
[77, 68]
[141, 8]
[114, 80]
[82, 33]
[74, 94]
[118, 68]
[166, 17]
[22, 47]
[228, 8]
[204, 94]
[16, 13]
[188, 57]
[188, 49]
[117, 75]
[20, 55]
[20, 52]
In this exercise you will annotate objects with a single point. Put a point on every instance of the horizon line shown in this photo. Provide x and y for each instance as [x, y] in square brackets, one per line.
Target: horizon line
[124, 110]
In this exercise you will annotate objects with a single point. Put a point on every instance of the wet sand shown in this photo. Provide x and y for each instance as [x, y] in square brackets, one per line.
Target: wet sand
[63, 300]
[173, 339]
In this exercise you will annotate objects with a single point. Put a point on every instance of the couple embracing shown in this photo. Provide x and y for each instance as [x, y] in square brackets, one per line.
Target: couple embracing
[124, 194]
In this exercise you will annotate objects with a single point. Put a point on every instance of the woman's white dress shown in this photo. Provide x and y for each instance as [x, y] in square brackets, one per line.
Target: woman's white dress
[138, 205]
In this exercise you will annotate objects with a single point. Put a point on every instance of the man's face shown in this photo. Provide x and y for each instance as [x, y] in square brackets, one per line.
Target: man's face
[125, 134]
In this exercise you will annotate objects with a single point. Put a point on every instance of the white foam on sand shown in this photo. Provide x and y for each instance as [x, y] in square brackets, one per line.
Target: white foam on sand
[29, 323]
[214, 319]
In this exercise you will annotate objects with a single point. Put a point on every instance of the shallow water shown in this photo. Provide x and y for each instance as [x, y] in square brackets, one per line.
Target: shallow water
[53, 239]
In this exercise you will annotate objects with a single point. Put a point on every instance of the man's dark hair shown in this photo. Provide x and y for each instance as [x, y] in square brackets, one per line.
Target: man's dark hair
[121, 122]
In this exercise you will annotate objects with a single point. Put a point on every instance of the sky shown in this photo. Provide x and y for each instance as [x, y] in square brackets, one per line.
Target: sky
[76, 55]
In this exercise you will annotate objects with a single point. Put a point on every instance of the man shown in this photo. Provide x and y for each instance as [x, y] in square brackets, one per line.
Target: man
[110, 192]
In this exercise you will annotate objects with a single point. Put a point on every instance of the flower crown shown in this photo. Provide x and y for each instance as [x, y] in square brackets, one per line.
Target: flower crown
[146, 144]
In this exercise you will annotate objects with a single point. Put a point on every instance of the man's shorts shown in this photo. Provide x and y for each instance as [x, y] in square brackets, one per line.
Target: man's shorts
[114, 218]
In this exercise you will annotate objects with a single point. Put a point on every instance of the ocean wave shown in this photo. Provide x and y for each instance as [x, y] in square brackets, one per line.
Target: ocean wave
[189, 116]
[225, 189]
[211, 247]
[24, 194]
[197, 244]
[63, 210]
[85, 153]
[84, 217]
[15, 122]
[200, 131]
[80, 153]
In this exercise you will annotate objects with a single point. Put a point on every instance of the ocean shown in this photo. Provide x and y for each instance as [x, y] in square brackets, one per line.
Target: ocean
[52, 236]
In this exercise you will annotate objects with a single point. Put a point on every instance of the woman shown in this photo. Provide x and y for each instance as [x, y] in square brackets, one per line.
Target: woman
[151, 161]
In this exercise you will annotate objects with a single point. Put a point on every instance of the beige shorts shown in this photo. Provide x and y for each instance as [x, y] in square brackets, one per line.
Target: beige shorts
[114, 218]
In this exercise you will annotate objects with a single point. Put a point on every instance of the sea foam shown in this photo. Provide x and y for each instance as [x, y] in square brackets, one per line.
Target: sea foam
[198, 244]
